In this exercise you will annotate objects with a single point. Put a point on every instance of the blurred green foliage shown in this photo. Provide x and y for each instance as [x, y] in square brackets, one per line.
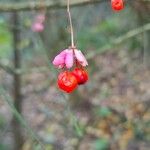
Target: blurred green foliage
[101, 144]
[79, 129]
[3, 147]
[103, 112]
[5, 39]
[2, 121]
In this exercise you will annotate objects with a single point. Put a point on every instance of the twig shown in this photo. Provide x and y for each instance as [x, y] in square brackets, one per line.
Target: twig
[119, 40]
[106, 48]
[19, 116]
[6, 68]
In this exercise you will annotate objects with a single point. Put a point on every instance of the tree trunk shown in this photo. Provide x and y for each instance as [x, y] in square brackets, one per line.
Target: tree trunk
[18, 137]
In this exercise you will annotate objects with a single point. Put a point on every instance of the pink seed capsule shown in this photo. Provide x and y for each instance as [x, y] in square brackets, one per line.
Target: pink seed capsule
[37, 27]
[40, 18]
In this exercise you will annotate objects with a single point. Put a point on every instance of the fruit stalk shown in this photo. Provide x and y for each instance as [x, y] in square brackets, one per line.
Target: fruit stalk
[70, 22]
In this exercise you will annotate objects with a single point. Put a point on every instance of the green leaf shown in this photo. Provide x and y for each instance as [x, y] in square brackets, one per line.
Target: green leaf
[79, 129]
[101, 144]
[37, 147]
[103, 112]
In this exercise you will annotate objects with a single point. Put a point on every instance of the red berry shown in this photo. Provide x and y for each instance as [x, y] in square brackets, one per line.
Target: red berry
[67, 81]
[117, 5]
[81, 75]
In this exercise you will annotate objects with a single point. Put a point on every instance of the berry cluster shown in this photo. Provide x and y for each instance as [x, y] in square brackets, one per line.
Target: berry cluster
[117, 5]
[68, 80]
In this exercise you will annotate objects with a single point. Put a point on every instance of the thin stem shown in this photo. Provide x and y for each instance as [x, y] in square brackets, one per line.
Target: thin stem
[70, 21]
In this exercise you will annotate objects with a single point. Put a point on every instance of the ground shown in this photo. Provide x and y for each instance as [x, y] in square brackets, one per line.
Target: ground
[110, 112]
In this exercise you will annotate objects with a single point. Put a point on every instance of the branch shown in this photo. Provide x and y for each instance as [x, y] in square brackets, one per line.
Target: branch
[37, 5]
[120, 40]
[46, 4]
